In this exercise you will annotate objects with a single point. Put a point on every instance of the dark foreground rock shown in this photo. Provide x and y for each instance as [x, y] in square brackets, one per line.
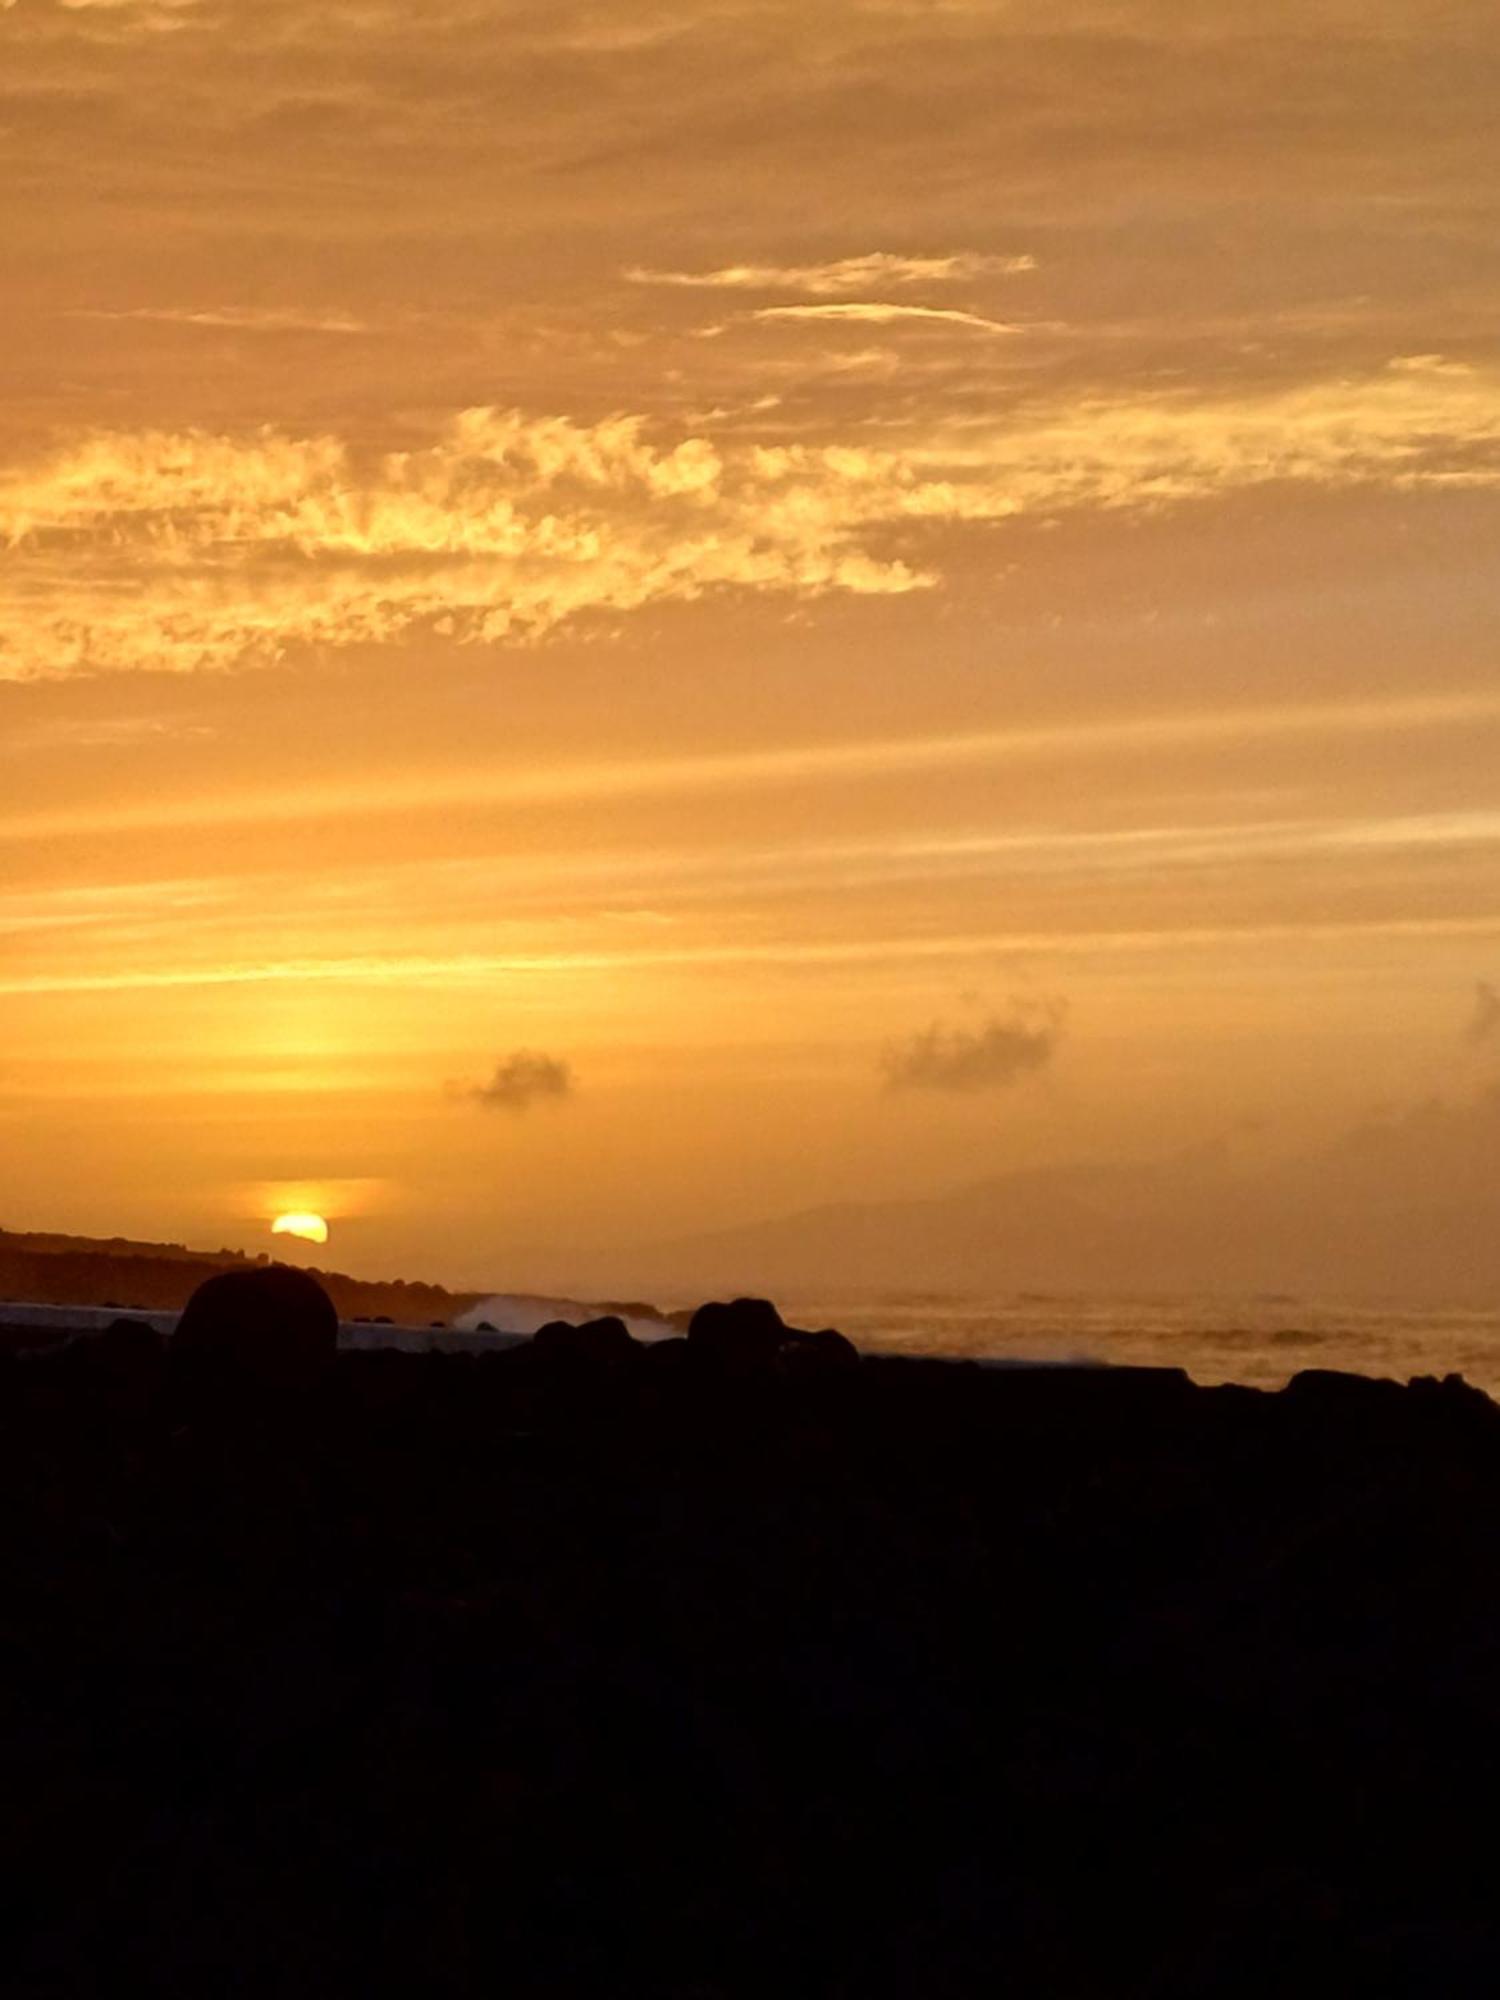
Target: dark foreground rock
[741, 1666]
[273, 1326]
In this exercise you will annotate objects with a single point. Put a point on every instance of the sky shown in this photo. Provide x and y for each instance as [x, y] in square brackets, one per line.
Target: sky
[619, 619]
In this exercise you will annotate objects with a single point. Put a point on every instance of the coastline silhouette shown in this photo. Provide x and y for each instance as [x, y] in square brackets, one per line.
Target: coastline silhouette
[735, 1663]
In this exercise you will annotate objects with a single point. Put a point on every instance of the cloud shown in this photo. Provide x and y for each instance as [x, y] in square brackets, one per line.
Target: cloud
[1484, 1021]
[179, 550]
[523, 1079]
[146, 16]
[859, 758]
[1001, 1052]
[912, 116]
[845, 274]
[185, 550]
[137, 7]
[241, 319]
[877, 312]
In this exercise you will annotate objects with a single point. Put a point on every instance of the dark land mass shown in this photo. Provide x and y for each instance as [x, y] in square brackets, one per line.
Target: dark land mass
[740, 1665]
[48, 1269]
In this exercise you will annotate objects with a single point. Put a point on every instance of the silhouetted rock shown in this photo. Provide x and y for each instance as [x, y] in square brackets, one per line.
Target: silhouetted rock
[1455, 1397]
[272, 1324]
[673, 1356]
[745, 1334]
[597, 1342]
[826, 1352]
[130, 1340]
[1331, 1390]
[126, 1345]
[740, 1664]
[749, 1336]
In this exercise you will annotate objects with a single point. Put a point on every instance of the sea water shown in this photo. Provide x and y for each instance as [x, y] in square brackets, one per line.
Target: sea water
[1260, 1340]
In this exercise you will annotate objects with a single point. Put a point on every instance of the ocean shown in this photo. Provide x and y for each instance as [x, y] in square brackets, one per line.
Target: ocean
[1260, 1340]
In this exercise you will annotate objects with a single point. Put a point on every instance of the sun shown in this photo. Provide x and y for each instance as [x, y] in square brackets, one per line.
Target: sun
[311, 1228]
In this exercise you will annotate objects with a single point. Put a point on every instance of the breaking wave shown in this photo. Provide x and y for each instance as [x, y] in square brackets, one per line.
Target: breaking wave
[523, 1312]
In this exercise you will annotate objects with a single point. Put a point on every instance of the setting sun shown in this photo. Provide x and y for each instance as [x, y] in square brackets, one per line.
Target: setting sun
[310, 1228]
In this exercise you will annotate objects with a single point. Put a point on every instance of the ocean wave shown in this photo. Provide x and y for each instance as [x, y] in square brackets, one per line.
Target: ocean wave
[524, 1312]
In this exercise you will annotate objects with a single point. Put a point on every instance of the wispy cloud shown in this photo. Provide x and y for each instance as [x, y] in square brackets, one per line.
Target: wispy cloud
[138, 8]
[152, 17]
[879, 312]
[108, 732]
[522, 1080]
[997, 1054]
[464, 787]
[239, 319]
[482, 969]
[180, 550]
[844, 274]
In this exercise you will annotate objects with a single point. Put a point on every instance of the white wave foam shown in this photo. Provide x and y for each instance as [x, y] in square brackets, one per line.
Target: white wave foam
[520, 1312]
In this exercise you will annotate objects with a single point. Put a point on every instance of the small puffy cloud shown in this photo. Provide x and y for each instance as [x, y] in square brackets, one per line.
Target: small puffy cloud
[1000, 1052]
[525, 1078]
[844, 274]
[1484, 1020]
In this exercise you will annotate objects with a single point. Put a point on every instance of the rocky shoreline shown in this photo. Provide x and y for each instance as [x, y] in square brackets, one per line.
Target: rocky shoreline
[741, 1664]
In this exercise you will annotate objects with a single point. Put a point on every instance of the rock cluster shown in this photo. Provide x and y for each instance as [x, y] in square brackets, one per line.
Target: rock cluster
[734, 1665]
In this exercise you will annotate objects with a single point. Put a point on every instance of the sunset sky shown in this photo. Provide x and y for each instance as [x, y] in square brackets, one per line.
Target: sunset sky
[616, 619]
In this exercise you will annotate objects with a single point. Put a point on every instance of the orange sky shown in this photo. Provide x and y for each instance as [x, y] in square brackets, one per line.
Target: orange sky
[900, 590]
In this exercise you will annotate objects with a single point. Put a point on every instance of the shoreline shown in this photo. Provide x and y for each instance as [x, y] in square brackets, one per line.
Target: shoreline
[724, 1666]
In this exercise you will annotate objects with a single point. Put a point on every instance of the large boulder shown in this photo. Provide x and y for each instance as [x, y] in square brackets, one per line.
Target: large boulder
[750, 1336]
[126, 1344]
[601, 1341]
[745, 1334]
[271, 1324]
[826, 1352]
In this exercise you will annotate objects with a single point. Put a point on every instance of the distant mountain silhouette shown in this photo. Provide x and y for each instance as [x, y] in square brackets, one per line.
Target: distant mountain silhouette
[1405, 1207]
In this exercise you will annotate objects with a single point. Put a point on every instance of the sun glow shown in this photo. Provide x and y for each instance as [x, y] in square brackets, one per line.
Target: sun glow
[310, 1228]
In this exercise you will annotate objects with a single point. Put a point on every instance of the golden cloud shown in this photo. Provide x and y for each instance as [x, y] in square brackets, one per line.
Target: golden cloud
[878, 312]
[181, 550]
[233, 319]
[844, 274]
